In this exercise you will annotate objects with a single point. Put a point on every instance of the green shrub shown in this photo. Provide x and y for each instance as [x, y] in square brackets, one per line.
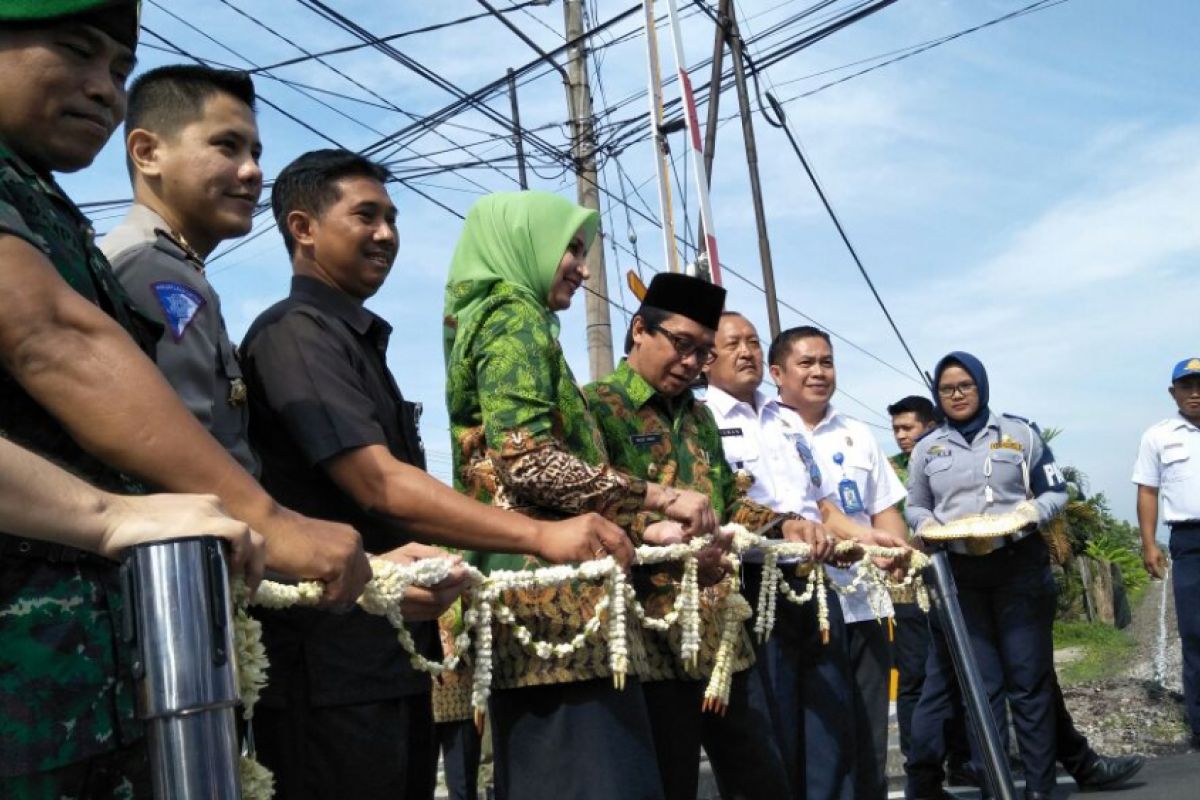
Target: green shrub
[1114, 548]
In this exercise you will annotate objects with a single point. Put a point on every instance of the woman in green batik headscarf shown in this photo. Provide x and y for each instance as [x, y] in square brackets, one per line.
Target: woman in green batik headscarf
[523, 439]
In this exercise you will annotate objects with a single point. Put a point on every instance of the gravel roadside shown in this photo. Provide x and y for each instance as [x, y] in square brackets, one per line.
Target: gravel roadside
[1132, 712]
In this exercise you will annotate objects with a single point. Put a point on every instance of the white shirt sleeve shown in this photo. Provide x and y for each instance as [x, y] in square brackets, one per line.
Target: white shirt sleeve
[1147, 470]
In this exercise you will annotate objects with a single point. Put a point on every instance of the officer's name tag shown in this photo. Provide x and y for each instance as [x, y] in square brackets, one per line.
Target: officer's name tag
[1007, 445]
[730, 431]
[646, 439]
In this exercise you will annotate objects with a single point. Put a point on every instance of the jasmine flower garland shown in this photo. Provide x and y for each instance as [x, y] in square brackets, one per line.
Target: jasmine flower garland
[734, 611]
[384, 596]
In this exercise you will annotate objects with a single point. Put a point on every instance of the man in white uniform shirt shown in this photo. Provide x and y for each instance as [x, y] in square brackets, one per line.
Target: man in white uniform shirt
[1168, 468]
[868, 492]
[811, 681]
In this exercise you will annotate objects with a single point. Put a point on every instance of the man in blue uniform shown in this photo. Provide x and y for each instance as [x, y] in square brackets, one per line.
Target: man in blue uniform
[811, 680]
[868, 492]
[1168, 471]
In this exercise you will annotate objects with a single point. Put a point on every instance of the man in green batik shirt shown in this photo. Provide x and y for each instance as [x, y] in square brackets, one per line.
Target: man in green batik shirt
[524, 439]
[654, 429]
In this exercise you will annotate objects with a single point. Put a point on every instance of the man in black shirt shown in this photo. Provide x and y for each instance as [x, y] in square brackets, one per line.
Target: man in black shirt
[345, 714]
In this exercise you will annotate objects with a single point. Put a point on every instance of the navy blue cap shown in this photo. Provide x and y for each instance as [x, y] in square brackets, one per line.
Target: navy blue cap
[1189, 366]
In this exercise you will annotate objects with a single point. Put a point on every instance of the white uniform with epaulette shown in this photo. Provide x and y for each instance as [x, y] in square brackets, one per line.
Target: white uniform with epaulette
[165, 279]
[1169, 460]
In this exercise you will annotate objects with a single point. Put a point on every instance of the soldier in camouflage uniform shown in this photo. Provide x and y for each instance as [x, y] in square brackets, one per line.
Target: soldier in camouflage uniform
[66, 713]
[523, 438]
[76, 387]
[655, 429]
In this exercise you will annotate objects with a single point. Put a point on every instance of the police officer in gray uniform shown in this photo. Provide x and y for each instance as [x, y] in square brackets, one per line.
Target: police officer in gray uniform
[979, 462]
[192, 145]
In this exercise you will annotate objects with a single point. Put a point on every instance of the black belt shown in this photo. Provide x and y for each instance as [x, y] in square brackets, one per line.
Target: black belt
[1185, 525]
[16, 547]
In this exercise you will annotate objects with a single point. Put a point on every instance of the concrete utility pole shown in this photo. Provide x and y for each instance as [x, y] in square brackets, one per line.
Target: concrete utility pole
[764, 244]
[599, 328]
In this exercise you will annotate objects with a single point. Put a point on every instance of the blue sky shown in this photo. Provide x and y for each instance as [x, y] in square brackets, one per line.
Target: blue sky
[1027, 193]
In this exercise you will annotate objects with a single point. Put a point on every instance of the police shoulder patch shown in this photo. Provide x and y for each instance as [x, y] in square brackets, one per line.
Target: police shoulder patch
[180, 305]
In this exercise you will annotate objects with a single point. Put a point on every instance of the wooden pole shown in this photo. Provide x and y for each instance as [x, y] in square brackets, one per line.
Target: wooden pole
[518, 141]
[764, 244]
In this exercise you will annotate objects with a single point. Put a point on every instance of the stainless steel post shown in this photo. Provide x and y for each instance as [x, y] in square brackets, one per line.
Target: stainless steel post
[178, 618]
[979, 711]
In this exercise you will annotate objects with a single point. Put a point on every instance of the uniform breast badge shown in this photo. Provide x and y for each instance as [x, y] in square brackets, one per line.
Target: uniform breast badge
[237, 393]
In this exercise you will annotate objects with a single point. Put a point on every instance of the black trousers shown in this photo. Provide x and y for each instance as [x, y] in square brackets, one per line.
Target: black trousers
[871, 663]
[912, 645]
[1008, 600]
[674, 710]
[910, 648]
[742, 745]
[1071, 746]
[370, 751]
[461, 750]
[810, 683]
[1185, 564]
[584, 741]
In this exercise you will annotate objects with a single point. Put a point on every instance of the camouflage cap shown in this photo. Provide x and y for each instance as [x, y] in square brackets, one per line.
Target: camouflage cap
[118, 18]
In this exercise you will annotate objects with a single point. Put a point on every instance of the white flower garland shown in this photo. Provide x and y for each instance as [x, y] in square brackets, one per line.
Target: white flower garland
[257, 781]
[481, 684]
[976, 526]
[734, 611]
[384, 596]
[618, 646]
[867, 572]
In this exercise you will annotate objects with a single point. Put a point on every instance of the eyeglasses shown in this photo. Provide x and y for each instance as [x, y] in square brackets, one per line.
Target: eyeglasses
[965, 388]
[685, 347]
